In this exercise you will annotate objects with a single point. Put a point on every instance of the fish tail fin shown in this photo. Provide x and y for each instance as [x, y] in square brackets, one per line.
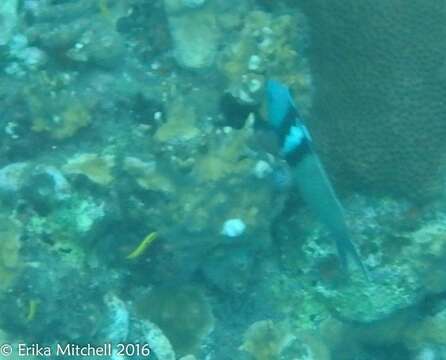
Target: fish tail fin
[346, 249]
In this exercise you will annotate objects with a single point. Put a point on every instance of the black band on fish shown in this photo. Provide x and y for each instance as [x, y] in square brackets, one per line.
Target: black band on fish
[285, 125]
[293, 136]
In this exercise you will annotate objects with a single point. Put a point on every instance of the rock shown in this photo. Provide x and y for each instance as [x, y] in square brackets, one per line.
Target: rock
[96, 168]
[181, 124]
[183, 314]
[100, 45]
[233, 228]
[159, 343]
[188, 357]
[8, 20]
[266, 43]
[118, 319]
[195, 33]
[147, 175]
[265, 340]
[10, 264]
[13, 176]
[87, 214]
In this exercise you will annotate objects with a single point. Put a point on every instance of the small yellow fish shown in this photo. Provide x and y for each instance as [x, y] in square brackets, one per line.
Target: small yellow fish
[142, 246]
[32, 310]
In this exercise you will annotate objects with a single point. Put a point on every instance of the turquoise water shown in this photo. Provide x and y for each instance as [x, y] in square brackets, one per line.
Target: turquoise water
[159, 200]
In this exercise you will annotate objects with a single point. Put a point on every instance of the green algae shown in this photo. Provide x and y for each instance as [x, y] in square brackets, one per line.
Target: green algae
[59, 124]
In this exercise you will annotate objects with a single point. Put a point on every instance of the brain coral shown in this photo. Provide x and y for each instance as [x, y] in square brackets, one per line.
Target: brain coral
[380, 78]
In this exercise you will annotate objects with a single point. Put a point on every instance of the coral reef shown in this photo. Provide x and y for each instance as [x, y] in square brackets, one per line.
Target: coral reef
[160, 344]
[180, 125]
[117, 326]
[12, 176]
[8, 20]
[96, 168]
[10, 262]
[70, 314]
[147, 176]
[430, 330]
[94, 39]
[397, 263]
[58, 120]
[194, 30]
[220, 164]
[265, 340]
[266, 45]
[377, 110]
[142, 200]
[183, 314]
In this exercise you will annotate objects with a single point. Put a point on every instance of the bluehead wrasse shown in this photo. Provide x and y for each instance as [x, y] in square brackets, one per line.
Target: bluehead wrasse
[307, 172]
[32, 310]
[142, 246]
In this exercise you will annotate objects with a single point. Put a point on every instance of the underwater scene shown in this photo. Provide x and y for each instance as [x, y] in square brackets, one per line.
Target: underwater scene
[223, 179]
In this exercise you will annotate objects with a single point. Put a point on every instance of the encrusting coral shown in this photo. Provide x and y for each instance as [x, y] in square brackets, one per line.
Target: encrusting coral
[96, 168]
[267, 43]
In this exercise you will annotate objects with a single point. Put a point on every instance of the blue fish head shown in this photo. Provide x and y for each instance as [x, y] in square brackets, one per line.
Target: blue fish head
[279, 102]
